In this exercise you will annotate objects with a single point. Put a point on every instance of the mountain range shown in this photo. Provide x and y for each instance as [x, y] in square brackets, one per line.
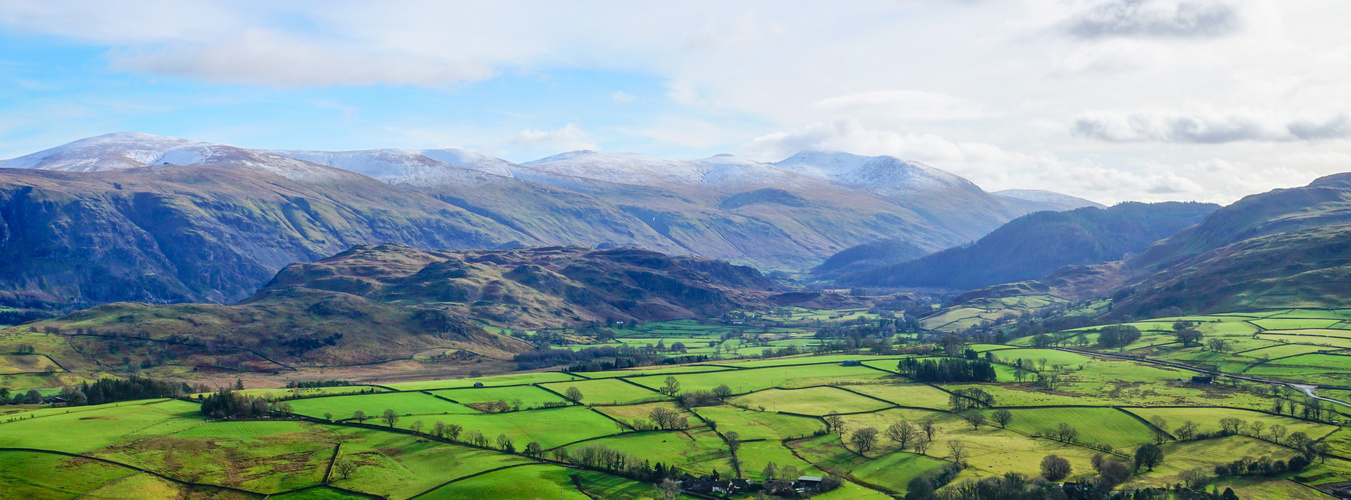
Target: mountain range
[1028, 247]
[137, 217]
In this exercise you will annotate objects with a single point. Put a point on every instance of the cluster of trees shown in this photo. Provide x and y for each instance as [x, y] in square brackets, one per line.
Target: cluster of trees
[315, 384]
[964, 399]
[1113, 336]
[947, 370]
[112, 390]
[230, 404]
[31, 397]
[593, 359]
[1264, 466]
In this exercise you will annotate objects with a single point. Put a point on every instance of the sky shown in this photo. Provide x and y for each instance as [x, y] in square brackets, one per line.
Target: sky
[1111, 100]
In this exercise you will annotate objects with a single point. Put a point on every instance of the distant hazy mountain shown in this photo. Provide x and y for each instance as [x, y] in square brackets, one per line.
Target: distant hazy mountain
[1036, 200]
[1034, 245]
[132, 216]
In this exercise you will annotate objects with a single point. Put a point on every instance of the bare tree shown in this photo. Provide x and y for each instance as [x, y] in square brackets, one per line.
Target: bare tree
[834, 422]
[864, 439]
[346, 467]
[976, 419]
[1186, 431]
[1277, 432]
[1160, 429]
[930, 430]
[733, 441]
[416, 426]
[922, 444]
[902, 433]
[957, 449]
[1002, 417]
[390, 417]
[668, 490]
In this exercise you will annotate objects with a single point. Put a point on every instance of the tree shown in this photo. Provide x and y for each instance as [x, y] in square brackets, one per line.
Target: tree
[901, 433]
[573, 394]
[664, 418]
[1054, 468]
[360, 416]
[1189, 337]
[922, 444]
[668, 490]
[670, 386]
[328, 417]
[453, 431]
[1231, 425]
[1160, 429]
[930, 430]
[1066, 432]
[1186, 431]
[1195, 478]
[864, 439]
[505, 443]
[534, 449]
[346, 467]
[439, 429]
[516, 404]
[733, 441]
[390, 417]
[1114, 472]
[834, 422]
[1257, 427]
[1148, 455]
[722, 392]
[958, 450]
[416, 426]
[1002, 417]
[1277, 432]
[976, 419]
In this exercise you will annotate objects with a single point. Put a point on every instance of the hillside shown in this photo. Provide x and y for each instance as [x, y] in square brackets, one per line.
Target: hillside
[1037, 244]
[1283, 248]
[379, 306]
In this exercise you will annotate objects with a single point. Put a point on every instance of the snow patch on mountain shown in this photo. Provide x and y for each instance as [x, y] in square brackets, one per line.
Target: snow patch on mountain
[1048, 197]
[392, 166]
[883, 174]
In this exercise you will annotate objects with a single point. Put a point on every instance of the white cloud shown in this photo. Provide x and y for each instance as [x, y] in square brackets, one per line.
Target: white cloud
[622, 97]
[1154, 18]
[1206, 126]
[570, 137]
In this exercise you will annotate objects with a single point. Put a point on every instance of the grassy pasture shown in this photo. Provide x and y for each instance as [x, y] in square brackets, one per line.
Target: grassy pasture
[906, 394]
[743, 381]
[33, 475]
[496, 380]
[399, 466]
[551, 427]
[526, 481]
[284, 393]
[1294, 323]
[529, 395]
[1052, 356]
[1281, 351]
[811, 401]
[607, 391]
[1179, 457]
[266, 457]
[638, 372]
[1102, 425]
[812, 360]
[1326, 342]
[405, 403]
[27, 363]
[85, 431]
[697, 450]
[1208, 419]
[761, 425]
[629, 413]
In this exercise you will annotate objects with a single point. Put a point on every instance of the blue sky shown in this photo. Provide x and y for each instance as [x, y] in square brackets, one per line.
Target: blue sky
[1106, 99]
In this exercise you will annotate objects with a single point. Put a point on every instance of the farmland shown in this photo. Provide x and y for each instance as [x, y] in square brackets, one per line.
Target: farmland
[522, 434]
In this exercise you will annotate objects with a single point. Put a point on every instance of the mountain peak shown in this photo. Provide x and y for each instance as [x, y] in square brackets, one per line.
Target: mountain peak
[879, 173]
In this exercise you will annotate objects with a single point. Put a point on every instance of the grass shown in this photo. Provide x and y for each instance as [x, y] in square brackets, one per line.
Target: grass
[1208, 419]
[607, 391]
[44, 475]
[1102, 425]
[917, 395]
[761, 425]
[399, 466]
[373, 405]
[551, 427]
[528, 481]
[27, 363]
[498, 380]
[630, 413]
[107, 425]
[810, 401]
[743, 381]
[698, 451]
[1180, 457]
[530, 396]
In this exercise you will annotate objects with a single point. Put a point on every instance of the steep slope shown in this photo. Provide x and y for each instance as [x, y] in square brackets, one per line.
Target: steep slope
[868, 256]
[1283, 248]
[1034, 245]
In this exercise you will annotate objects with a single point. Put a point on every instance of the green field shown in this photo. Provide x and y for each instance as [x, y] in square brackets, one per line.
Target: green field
[778, 412]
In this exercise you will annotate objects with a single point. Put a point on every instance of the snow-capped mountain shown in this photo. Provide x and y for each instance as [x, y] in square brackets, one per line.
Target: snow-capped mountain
[126, 150]
[721, 172]
[882, 174]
